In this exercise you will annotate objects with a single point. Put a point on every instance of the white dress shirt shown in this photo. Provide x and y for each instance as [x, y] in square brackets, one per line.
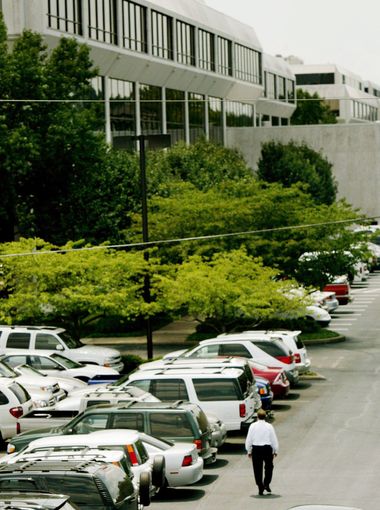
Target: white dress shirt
[261, 433]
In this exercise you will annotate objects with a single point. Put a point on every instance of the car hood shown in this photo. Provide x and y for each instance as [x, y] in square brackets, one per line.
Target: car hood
[106, 352]
[26, 437]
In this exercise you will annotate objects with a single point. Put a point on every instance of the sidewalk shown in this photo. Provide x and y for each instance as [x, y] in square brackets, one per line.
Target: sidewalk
[174, 333]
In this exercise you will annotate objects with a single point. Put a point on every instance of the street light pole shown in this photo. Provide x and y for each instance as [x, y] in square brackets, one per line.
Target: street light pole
[145, 234]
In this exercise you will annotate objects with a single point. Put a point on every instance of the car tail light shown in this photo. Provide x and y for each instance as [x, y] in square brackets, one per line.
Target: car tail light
[285, 359]
[242, 410]
[18, 428]
[262, 391]
[187, 460]
[297, 357]
[198, 444]
[132, 455]
[17, 412]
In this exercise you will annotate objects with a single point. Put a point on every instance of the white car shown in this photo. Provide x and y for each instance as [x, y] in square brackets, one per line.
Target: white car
[319, 314]
[58, 365]
[15, 401]
[66, 384]
[51, 339]
[325, 299]
[129, 441]
[44, 392]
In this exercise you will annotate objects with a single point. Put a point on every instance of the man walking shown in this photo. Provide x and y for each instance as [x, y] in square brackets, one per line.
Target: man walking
[262, 446]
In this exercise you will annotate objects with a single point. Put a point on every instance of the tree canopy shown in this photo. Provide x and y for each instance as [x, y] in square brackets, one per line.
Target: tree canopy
[294, 162]
[311, 109]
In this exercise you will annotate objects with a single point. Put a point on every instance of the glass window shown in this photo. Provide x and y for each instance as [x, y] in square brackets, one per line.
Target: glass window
[3, 399]
[207, 351]
[197, 113]
[44, 363]
[18, 341]
[169, 389]
[151, 109]
[122, 107]
[206, 50]
[73, 487]
[315, 79]
[247, 64]
[270, 85]
[14, 361]
[225, 56]
[20, 484]
[143, 454]
[175, 114]
[20, 392]
[90, 423]
[134, 26]
[270, 348]
[290, 90]
[128, 420]
[239, 114]
[170, 425]
[234, 349]
[65, 15]
[281, 88]
[217, 390]
[185, 43]
[102, 24]
[215, 119]
[46, 341]
[162, 35]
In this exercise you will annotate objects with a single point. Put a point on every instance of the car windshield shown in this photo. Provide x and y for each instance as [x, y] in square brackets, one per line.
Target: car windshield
[6, 370]
[66, 362]
[70, 341]
[26, 369]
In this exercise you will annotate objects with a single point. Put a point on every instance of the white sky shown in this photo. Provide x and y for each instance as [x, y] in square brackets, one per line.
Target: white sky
[342, 32]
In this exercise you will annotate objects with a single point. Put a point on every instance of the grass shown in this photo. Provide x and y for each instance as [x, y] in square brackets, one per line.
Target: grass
[319, 335]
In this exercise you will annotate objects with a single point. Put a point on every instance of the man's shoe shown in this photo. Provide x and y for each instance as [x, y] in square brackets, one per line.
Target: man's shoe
[261, 491]
[267, 490]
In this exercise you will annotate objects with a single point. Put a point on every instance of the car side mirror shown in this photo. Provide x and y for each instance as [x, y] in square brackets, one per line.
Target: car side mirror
[58, 347]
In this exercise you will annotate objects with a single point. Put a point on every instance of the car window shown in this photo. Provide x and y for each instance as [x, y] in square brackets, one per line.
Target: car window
[271, 348]
[90, 423]
[142, 451]
[143, 384]
[20, 392]
[14, 361]
[169, 389]
[47, 341]
[217, 389]
[128, 420]
[73, 487]
[66, 362]
[18, 340]
[170, 424]
[234, 349]
[3, 399]
[206, 351]
[18, 484]
[44, 363]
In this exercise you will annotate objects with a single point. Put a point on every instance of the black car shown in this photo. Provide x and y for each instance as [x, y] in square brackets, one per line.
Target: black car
[89, 485]
[18, 500]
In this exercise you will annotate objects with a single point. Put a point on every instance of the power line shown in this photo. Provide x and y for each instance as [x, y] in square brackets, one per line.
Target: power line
[187, 239]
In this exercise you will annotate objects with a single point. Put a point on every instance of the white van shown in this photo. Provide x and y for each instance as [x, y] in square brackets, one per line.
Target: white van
[226, 392]
[15, 401]
[51, 339]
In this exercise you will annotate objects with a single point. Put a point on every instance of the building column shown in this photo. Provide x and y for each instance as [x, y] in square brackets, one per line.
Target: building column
[187, 119]
[137, 108]
[107, 109]
[164, 128]
[207, 121]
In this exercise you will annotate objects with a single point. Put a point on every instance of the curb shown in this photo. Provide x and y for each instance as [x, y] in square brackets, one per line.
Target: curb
[320, 341]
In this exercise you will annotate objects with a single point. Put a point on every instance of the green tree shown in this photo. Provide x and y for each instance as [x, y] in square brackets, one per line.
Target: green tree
[296, 162]
[311, 109]
[228, 289]
[71, 288]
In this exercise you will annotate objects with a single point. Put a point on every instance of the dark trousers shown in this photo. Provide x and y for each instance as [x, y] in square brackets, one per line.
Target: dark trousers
[262, 457]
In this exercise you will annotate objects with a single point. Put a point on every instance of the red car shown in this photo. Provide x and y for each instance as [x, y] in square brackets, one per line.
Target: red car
[342, 289]
[276, 376]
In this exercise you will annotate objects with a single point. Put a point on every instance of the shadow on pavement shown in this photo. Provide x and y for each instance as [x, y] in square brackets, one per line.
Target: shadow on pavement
[217, 464]
[206, 480]
[179, 494]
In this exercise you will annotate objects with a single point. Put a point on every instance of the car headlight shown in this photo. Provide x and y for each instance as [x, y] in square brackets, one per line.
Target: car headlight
[41, 403]
[11, 448]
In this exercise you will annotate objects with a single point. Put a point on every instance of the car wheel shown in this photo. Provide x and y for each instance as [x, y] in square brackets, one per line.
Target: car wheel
[158, 471]
[144, 489]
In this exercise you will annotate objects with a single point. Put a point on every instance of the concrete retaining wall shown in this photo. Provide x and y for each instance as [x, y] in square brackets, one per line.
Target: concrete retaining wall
[353, 150]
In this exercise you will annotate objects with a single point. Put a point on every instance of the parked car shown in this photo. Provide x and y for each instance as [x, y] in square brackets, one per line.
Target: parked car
[226, 392]
[129, 442]
[31, 500]
[265, 392]
[294, 343]
[55, 364]
[176, 421]
[44, 391]
[67, 384]
[276, 376]
[107, 486]
[15, 401]
[51, 339]
[325, 299]
[342, 288]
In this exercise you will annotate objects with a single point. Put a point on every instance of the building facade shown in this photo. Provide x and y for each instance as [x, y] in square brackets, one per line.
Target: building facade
[348, 96]
[172, 67]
